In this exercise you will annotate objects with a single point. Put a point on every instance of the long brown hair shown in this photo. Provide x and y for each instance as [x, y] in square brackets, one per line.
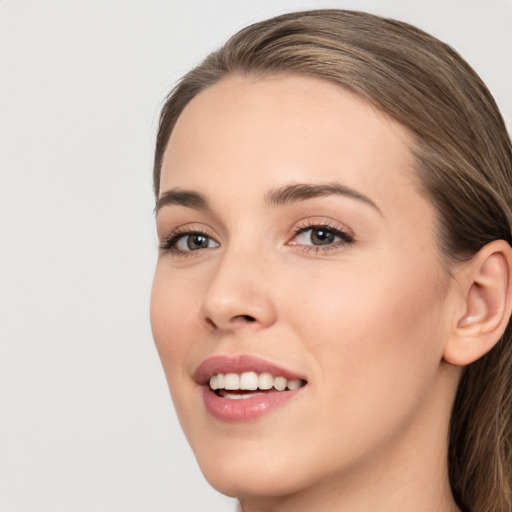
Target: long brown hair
[463, 159]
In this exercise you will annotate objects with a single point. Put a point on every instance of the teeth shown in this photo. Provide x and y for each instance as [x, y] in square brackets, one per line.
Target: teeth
[251, 381]
[280, 383]
[294, 384]
[232, 381]
[233, 396]
[265, 381]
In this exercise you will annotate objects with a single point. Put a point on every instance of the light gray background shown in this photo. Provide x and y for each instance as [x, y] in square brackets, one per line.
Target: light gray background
[86, 421]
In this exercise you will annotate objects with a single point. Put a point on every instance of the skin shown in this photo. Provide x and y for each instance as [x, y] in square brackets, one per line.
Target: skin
[366, 322]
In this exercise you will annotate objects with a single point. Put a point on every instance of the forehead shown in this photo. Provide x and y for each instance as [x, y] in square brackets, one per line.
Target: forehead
[263, 133]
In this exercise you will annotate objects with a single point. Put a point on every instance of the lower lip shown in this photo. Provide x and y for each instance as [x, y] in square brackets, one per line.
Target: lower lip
[245, 409]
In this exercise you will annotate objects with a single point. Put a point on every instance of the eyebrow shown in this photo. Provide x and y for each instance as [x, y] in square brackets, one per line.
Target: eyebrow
[187, 198]
[287, 194]
[302, 191]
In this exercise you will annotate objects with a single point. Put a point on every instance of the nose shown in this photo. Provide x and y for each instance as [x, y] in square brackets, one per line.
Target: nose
[238, 296]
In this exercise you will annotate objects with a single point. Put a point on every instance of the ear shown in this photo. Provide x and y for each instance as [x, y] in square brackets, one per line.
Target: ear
[485, 299]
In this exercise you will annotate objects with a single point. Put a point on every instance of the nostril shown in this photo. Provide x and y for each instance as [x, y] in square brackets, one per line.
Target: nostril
[234, 321]
[211, 323]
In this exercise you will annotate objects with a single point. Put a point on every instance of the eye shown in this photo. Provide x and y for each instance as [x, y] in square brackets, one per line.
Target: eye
[317, 236]
[183, 242]
[321, 236]
[194, 242]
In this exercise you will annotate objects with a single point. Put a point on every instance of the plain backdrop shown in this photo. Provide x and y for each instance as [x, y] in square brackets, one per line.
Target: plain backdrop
[87, 424]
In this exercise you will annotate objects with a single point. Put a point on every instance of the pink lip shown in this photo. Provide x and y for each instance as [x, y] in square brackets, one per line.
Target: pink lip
[245, 409]
[239, 364]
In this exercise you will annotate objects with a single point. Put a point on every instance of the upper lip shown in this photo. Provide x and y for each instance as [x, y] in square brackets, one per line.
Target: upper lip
[239, 364]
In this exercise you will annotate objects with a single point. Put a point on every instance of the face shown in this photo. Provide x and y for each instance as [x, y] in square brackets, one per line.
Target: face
[296, 253]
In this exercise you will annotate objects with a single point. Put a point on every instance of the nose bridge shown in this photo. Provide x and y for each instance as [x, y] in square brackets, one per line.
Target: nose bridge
[238, 293]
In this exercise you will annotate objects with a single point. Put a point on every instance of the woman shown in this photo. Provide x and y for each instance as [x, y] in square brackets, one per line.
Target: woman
[332, 294]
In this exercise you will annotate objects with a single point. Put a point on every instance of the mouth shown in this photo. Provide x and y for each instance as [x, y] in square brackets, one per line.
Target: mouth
[244, 388]
[233, 386]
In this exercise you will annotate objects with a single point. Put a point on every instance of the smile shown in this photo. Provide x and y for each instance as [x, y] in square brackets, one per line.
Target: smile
[251, 381]
[245, 388]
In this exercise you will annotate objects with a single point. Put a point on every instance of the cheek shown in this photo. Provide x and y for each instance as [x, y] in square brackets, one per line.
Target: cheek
[368, 327]
[375, 341]
[171, 311]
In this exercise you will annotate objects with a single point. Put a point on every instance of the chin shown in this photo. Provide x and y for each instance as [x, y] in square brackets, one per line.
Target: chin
[264, 474]
[235, 485]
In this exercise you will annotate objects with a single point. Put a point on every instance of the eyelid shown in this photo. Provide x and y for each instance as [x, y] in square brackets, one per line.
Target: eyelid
[345, 234]
[169, 241]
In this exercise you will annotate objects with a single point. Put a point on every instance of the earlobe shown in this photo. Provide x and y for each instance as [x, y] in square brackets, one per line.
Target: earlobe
[486, 292]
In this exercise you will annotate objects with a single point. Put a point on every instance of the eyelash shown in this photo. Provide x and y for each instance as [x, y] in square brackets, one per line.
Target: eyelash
[345, 237]
[169, 244]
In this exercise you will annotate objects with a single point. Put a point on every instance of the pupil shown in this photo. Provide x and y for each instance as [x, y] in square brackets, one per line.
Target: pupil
[197, 242]
[322, 237]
